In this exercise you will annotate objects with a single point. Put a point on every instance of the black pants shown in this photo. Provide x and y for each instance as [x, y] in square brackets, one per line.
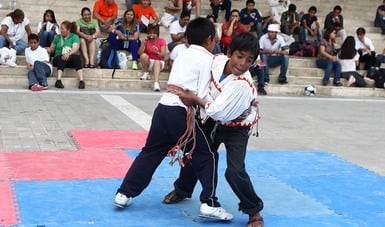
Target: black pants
[168, 124]
[368, 60]
[235, 140]
[360, 82]
[74, 61]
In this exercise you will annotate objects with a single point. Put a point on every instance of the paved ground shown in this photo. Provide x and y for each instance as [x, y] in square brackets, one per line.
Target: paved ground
[318, 161]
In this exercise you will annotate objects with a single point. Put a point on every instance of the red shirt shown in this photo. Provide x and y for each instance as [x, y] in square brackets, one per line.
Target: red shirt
[238, 29]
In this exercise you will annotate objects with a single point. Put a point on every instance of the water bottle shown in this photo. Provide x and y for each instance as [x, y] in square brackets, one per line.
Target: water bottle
[98, 56]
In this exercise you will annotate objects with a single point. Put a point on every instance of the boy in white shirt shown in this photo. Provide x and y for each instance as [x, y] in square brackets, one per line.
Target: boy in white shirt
[232, 116]
[191, 71]
[38, 64]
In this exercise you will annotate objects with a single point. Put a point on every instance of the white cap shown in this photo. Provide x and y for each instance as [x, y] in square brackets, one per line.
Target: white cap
[273, 28]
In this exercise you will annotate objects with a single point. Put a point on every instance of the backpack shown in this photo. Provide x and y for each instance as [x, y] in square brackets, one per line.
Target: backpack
[109, 59]
[295, 47]
[304, 49]
[379, 78]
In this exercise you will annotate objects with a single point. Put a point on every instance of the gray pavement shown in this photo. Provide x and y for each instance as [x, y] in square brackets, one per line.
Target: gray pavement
[352, 129]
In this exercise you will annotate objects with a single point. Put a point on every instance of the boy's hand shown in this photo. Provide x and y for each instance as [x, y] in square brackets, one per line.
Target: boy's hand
[188, 98]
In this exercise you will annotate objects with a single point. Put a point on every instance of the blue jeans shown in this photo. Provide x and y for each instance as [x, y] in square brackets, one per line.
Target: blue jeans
[19, 47]
[305, 34]
[329, 66]
[39, 74]
[258, 71]
[226, 5]
[273, 61]
[46, 38]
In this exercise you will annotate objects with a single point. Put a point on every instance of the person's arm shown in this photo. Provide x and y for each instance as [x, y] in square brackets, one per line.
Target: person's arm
[328, 21]
[229, 30]
[325, 54]
[3, 32]
[28, 29]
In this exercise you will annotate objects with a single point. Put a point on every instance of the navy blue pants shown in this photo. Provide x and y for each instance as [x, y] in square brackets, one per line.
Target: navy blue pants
[235, 140]
[168, 124]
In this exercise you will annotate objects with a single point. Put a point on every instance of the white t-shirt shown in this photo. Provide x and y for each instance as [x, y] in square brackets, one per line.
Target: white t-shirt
[191, 70]
[349, 65]
[178, 49]
[279, 44]
[15, 31]
[39, 54]
[367, 41]
[40, 25]
[175, 28]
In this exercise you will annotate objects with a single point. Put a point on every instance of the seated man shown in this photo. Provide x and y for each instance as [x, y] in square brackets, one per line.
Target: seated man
[250, 17]
[217, 5]
[290, 21]
[336, 20]
[277, 7]
[231, 28]
[177, 29]
[106, 12]
[310, 25]
[379, 21]
[145, 14]
[274, 51]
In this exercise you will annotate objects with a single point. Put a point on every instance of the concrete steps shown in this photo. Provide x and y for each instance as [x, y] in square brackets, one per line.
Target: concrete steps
[301, 72]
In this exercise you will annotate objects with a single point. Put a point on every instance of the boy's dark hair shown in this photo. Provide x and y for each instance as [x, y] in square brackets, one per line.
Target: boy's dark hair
[250, 1]
[234, 10]
[360, 31]
[337, 7]
[312, 8]
[198, 30]
[33, 36]
[245, 41]
[292, 7]
[185, 13]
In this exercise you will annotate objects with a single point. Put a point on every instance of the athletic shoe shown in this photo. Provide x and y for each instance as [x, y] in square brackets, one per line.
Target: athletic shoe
[145, 76]
[36, 87]
[351, 81]
[156, 86]
[58, 84]
[82, 85]
[45, 86]
[218, 213]
[122, 200]
[134, 65]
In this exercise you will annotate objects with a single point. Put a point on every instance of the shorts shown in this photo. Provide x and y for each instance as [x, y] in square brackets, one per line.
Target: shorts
[151, 65]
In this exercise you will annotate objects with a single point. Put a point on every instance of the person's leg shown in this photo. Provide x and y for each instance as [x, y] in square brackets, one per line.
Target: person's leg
[258, 28]
[284, 61]
[168, 124]
[21, 45]
[360, 82]
[265, 69]
[42, 70]
[92, 52]
[227, 6]
[145, 62]
[133, 48]
[60, 64]
[156, 69]
[215, 10]
[51, 36]
[3, 41]
[84, 50]
[235, 140]
[337, 72]
[32, 79]
[319, 35]
[327, 65]
[43, 39]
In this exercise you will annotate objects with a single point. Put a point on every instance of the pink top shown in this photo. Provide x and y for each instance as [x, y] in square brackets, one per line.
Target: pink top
[152, 48]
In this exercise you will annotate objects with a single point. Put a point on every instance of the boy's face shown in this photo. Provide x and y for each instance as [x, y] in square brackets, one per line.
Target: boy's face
[240, 62]
[250, 6]
[33, 43]
[145, 2]
[312, 13]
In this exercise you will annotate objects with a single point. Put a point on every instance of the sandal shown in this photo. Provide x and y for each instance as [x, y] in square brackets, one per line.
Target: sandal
[173, 197]
[255, 221]
[92, 66]
[86, 66]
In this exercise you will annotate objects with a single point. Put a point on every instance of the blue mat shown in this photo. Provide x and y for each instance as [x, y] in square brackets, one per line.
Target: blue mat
[299, 188]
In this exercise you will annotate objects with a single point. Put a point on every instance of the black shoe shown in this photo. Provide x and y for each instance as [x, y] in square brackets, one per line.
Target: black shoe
[325, 82]
[383, 31]
[173, 197]
[262, 91]
[282, 81]
[58, 84]
[82, 85]
[338, 84]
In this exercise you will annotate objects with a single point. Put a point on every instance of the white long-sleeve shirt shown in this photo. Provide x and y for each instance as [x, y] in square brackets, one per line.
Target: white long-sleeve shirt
[232, 96]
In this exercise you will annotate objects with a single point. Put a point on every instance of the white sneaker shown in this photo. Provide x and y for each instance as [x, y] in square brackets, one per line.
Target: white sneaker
[218, 213]
[156, 86]
[122, 200]
[145, 76]
[351, 81]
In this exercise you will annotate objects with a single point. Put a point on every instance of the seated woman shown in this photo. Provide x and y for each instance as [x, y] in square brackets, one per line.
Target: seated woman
[13, 28]
[152, 53]
[88, 30]
[348, 58]
[47, 29]
[328, 60]
[66, 49]
[125, 35]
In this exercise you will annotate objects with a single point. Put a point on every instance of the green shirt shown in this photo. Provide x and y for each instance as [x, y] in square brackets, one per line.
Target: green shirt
[87, 27]
[73, 38]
